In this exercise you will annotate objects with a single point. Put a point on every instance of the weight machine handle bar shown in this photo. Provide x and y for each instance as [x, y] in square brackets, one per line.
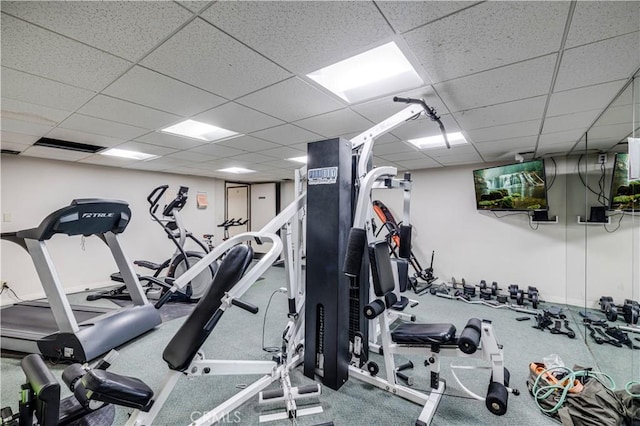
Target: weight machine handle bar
[431, 112]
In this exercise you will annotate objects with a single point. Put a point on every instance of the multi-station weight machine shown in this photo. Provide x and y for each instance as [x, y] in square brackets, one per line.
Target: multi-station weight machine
[339, 308]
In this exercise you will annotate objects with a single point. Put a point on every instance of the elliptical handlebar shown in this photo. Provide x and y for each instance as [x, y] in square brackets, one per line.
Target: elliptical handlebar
[431, 112]
[156, 194]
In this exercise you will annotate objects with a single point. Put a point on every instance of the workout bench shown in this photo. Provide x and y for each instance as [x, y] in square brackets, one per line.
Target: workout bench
[432, 340]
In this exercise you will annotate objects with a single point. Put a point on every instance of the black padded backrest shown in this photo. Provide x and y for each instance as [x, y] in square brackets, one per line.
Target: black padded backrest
[86, 216]
[196, 329]
[381, 272]
[46, 388]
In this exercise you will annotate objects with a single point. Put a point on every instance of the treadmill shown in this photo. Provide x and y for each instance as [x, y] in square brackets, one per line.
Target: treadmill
[57, 329]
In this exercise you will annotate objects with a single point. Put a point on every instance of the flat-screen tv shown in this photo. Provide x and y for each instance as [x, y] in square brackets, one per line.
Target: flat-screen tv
[625, 194]
[516, 187]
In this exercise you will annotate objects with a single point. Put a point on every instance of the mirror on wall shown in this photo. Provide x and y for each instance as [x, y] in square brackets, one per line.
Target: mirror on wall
[609, 225]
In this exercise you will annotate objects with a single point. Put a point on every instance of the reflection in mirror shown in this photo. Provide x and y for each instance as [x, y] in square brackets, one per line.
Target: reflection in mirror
[610, 231]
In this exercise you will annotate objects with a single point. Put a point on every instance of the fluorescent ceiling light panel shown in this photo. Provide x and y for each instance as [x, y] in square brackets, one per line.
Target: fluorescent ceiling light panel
[437, 141]
[374, 73]
[236, 170]
[302, 159]
[134, 155]
[198, 130]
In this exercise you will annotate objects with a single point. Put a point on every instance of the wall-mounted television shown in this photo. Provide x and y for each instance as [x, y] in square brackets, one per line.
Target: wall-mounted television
[516, 187]
[625, 194]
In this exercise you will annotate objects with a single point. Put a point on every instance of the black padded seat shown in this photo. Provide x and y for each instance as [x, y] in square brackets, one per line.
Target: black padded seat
[117, 389]
[412, 333]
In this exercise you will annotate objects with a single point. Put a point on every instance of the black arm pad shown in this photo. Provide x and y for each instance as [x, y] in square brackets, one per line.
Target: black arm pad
[245, 305]
[405, 242]
[355, 250]
[374, 309]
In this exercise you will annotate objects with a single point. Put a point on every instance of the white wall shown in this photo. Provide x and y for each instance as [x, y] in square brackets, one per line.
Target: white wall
[32, 188]
[478, 245]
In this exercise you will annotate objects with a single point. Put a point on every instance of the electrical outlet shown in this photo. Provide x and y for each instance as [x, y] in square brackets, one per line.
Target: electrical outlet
[602, 158]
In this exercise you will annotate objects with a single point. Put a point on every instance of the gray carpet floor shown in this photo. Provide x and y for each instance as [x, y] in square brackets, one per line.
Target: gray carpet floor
[239, 336]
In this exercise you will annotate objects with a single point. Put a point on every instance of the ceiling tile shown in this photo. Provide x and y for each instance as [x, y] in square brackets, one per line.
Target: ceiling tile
[508, 146]
[507, 131]
[302, 39]
[287, 134]
[580, 120]
[335, 123]
[612, 133]
[24, 111]
[54, 153]
[99, 126]
[217, 150]
[583, 99]
[216, 62]
[399, 156]
[283, 153]
[554, 149]
[170, 141]
[12, 146]
[83, 137]
[238, 118]
[41, 91]
[405, 15]
[37, 51]
[505, 113]
[291, 100]
[561, 137]
[195, 5]
[146, 87]
[17, 138]
[417, 164]
[462, 151]
[248, 143]
[598, 20]
[196, 157]
[126, 29]
[252, 157]
[470, 156]
[483, 37]
[383, 150]
[381, 162]
[125, 112]
[166, 162]
[617, 115]
[19, 126]
[583, 66]
[518, 81]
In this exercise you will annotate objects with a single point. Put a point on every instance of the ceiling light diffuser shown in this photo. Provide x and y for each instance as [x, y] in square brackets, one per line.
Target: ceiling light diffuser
[302, 159]
[374, 73]
[437, 141]
[236, 170]
[124, 153]
[198, 130]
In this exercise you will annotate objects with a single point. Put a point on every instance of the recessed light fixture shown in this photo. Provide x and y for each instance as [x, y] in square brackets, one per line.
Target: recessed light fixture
[124, 153]
[374, 73]
[198, 130]
[302, 159]
[437, 141]
[236, 170]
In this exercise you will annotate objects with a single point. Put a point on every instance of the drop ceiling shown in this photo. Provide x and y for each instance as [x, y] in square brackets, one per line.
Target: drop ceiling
[513, 77]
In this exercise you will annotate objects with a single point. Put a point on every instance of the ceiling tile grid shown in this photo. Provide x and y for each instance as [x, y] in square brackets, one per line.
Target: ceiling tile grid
[115, 73]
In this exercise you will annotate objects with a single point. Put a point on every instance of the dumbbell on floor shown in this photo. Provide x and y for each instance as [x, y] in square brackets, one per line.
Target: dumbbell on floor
[630, 309]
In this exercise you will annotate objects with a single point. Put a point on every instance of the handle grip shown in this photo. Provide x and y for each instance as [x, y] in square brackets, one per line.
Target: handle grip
[163, 299]
[156, 194]
[245, 305]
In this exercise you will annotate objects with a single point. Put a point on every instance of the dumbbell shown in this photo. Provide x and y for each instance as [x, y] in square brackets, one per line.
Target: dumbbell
[485, 293]
[513, 291]
[493, 287]
[630, 309]
[469, 290]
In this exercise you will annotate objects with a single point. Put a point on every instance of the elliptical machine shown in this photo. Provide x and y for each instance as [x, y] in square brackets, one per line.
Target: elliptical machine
[180, 261]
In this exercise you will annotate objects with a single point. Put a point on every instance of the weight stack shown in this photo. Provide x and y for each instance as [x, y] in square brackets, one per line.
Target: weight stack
[329, 209]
